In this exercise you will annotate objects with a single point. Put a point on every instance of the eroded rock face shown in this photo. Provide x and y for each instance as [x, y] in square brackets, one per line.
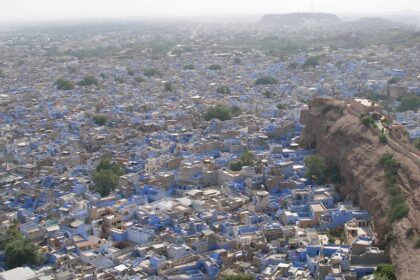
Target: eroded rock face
[339, 136]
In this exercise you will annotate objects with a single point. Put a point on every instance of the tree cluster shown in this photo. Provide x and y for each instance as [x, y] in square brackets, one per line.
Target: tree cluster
[247, 159]
[149, 72]
[215, 67]
[311, 61]
[99, 120]
[223, 89]
[221, 112]
[266, 80]
[19, 251]
[88, 81]
[399, 207]
[63, 84]
[168, 86]
[409, 103]
[106, 177]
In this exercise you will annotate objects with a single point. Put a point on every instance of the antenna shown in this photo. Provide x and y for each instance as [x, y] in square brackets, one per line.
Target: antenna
[312, 9]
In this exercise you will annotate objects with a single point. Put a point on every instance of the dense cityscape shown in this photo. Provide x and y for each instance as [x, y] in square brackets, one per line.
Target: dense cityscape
[179, 150]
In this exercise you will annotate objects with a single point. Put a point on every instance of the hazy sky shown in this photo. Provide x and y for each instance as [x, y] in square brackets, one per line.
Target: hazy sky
[29, 10]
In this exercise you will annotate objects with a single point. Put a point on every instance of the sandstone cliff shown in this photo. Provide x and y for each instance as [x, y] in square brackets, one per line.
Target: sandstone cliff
[339, 136]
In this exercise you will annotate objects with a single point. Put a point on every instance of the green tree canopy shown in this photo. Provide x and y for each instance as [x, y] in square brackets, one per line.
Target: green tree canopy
[393, 80]
[281, 106]
[149, 72]
[315, 167]
[168, 86]
[267, 94]
[266, 80]
[221, 112]
[99, 120]
[19, 251]
[386, 272]
[311, 61]
[237, 276]
[223, 89]
[88, 81]
[247, 159]
[130, 72]
[189, 67]
[409, 103]
[106, 177]
[139, 79]
[215, 67]
[416, 143]
[63, 84]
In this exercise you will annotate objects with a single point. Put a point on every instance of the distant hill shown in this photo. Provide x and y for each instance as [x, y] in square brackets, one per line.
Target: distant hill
[376, 23]
[300, 19]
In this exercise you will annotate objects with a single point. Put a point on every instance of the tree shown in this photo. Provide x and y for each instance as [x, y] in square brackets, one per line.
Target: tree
[19, 251]
[63, 84]
[311, 61]
[223, 89]
[416, 143]
[88, 81]
[189, 67]
[215, 67]
[221, 112]
[99, 120]
[139, 79]
[266, 80]
[149, 72]
[385, 271]
[168, 86]
[247, 159]
[315, 167]
[130, 72]
[119, 80]
[106, 177]
[237, 276]
[236, 60]
[367, 120]
[281, 106]
[409, 103]
[292, 66]
[393, 80]
[267, 94]
[235, 111]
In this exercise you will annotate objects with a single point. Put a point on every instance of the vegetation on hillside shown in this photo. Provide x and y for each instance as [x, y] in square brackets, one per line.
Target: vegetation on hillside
[318, 169]
[399, 207]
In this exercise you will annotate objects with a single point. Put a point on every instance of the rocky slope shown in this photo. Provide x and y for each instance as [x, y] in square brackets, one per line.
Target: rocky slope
[341, 138]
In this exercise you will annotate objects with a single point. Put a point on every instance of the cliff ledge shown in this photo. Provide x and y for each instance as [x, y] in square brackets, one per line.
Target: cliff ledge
[339, 136]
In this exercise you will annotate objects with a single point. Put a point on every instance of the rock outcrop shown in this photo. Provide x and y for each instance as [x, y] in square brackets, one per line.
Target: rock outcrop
[338, 135]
